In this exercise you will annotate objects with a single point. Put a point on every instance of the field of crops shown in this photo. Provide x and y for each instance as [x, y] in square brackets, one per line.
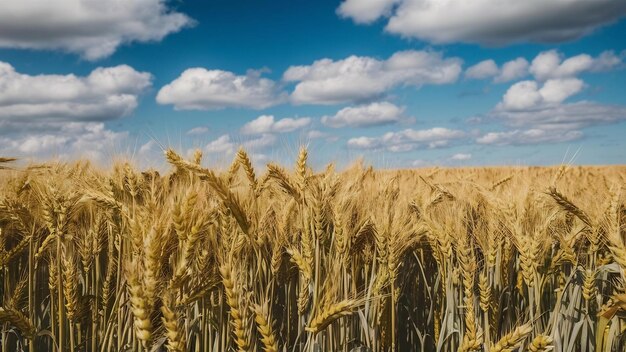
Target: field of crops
[292, 259]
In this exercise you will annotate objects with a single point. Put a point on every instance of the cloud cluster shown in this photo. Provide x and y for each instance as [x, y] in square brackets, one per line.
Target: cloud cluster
[63, 115]
[106, 93]
[492, 22]
[361, 78]
[546, 65]
[202, 89]
[93, 29]
[90, 140]
[528, 96]
[224, 145]
[538, 110]
[374, 114]
[551, 64]
[409, 139]
[528, 137]
[267, 124]
[509, 71]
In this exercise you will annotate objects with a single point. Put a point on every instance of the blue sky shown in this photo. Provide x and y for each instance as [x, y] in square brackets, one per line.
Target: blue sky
[401, 83]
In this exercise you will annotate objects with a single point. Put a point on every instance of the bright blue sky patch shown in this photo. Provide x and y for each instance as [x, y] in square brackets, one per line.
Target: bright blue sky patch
[402, 83]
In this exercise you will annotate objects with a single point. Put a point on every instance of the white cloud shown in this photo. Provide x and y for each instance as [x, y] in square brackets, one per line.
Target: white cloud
[222, 144]
[526, 95]
[461, 157]
[374, 114]
[93, 29]
[147, 147]
[196, 131]
[488, 21]
[538, 113]
[316, 134]
[361, 78]
[420, 163]
[512, 70]
[561, 117]
[531, 136]
[104, 94]
[550, 64]
[266, 124]
[409, 139]
[264, 141]
[365, 11]
[482, 70]
[90, 140]
[202, 89]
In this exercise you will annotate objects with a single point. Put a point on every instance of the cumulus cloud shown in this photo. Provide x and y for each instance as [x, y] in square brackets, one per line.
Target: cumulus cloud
[222, 144]
[264, 141]
[197, 131]
[267, 124]
[147, 147]
[374, 114]
[487, 21]
[317, 134]
[482, 70]
[202, 89]
[225, 145]
[361, 78]
[409, 139]
[538, 113]
[527, 95]
[90, 140]
[525, 137]
[106, 93]
[551, 64]
[512, 70]
[365, 11]
[562, 117]
[93, 29]
[461, 157]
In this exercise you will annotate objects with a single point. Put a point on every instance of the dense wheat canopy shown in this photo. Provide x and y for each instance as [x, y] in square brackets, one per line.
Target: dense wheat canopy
[292, 259]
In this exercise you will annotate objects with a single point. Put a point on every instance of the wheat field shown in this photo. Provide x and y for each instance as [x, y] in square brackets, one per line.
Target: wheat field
[291, 259]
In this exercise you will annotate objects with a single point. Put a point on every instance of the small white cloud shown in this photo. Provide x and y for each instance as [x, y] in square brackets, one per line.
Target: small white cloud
[365, 11]
[93, 29]
[482, 70]
[267, 124]
[264, 141]
[197, 131]
[420, 163]
[461, 157]
[531, 136]
[513, 70]
[551, 64]
[527, 95]
[147, 147]
[409, 139]
[222, 144]
[316, 134]
[202, 89]
[361, 78]
[374, 114]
